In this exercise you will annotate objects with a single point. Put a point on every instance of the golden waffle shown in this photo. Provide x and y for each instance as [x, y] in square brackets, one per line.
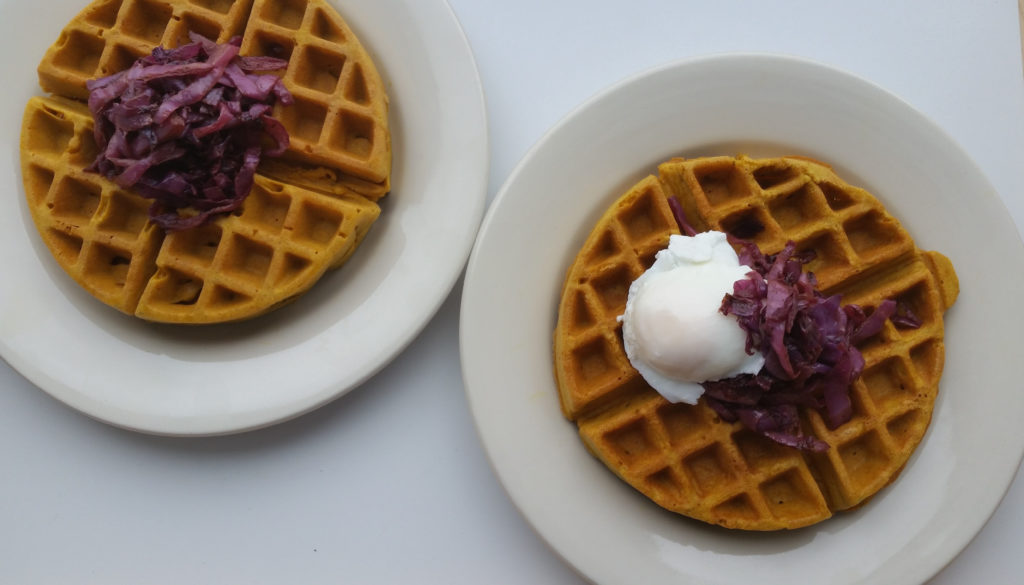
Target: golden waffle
[109, 35]
[308, 210]
[338, 124]
[270, 250]
[339, 119]
[684, 457]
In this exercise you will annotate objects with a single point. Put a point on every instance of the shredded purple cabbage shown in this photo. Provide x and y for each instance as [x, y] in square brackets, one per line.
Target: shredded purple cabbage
[808, 341]
[186, 127]
[680, 216]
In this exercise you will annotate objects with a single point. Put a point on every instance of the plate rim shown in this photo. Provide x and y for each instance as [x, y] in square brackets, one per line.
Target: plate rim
[474, 380]
[445, 275]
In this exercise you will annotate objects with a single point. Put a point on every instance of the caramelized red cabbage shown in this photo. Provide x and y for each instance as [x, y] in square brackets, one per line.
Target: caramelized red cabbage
[186, 127]
[808, 341]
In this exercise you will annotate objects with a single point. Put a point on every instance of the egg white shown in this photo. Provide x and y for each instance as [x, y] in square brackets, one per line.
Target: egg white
[672, 330]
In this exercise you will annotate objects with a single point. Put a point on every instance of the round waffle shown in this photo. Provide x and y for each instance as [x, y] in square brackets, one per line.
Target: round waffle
[307, 212]
[684, 457]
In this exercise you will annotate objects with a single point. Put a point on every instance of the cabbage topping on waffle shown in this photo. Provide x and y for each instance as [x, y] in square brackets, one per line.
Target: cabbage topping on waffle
[685, 458]
[307, 212]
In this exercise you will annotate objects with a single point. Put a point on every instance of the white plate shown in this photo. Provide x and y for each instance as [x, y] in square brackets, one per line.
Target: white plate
[223, 379]
[761, 105]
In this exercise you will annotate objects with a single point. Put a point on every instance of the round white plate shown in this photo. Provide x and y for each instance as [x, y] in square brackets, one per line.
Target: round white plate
[223, 379]
[761, 105]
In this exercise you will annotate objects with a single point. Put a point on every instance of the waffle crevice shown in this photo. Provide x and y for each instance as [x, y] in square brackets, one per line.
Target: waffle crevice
[684, 457]
[306, 213]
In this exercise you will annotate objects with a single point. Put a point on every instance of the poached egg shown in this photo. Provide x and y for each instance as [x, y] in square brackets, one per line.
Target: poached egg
[673, 332]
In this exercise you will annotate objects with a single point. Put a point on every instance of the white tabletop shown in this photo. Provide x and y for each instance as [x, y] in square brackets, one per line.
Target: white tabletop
[389, 484]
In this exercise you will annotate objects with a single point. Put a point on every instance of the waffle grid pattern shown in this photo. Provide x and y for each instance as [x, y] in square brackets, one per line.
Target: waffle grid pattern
[307, 212]
[91, 226]
[335, 119]
[597, 367]
[281, 242]
[339, 118]
[109, 35]
[271, 249]
[684, 457]
[845, 226]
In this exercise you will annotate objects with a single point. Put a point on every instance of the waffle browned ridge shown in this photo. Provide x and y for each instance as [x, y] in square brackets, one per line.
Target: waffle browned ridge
[684, 457]
[273, 248]
[338, 124]
[339, 118]
[307, 212]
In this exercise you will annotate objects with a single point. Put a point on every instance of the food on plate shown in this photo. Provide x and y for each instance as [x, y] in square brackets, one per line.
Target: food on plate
[701, 460]
[187, 127]
[679, 294]
[306, 210]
